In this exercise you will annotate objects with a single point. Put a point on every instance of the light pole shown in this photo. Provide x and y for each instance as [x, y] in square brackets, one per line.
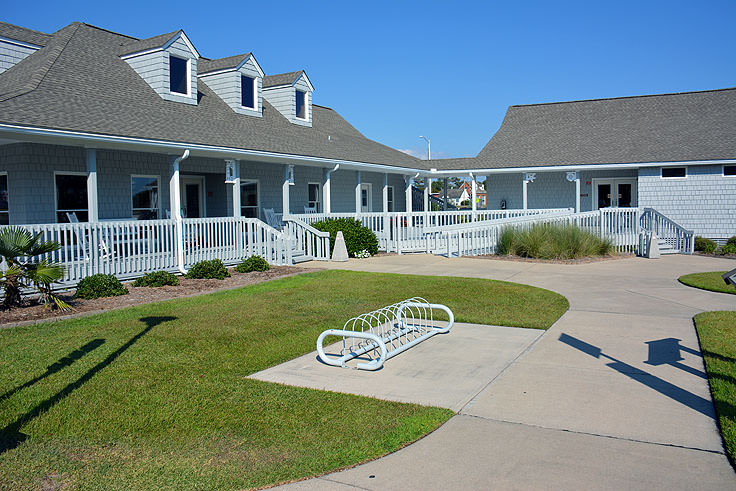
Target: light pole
[427, 180]
[429, 147]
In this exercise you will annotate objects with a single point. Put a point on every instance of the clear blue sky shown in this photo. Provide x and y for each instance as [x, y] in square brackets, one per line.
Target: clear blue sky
[447, 70]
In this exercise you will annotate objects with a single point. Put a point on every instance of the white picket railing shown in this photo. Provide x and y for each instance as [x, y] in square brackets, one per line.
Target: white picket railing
[314, 243]
[667, 230]
[127, 249]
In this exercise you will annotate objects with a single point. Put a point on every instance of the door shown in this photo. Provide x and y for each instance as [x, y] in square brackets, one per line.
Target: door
[604, 196]
[192, 197]
[366, 198]
[609, 193]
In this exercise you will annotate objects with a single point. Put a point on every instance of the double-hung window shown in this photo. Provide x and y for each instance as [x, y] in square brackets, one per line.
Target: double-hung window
[314, 196]
[301, 104]
[4, 217]
[178, 75]
[145, 197]
[390, 198]
[248, 92]
[71, 197]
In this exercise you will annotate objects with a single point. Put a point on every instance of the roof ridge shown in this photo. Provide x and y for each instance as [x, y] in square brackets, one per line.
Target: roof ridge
[110, 31]
[623, 97]
[27, 29]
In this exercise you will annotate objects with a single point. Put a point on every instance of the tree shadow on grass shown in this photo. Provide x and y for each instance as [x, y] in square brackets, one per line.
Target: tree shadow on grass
[11, 437]
[57, 366]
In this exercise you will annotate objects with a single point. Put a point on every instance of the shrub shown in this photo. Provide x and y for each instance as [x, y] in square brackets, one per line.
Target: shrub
[99, 286]
[253, 263]
[157, 278]
[212, 269]
[731, 240]
[729, 248]
[546, 241]
[705, 245]
[357, 237]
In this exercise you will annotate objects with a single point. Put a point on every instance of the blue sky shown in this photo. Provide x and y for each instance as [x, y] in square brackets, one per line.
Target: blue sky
[447, 70]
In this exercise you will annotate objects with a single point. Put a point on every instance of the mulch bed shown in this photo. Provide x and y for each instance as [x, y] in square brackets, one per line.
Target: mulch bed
[582, 260]
[32, 312]
[720, 256]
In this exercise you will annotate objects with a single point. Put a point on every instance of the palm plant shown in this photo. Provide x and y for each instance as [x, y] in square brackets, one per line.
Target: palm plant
[17, 247]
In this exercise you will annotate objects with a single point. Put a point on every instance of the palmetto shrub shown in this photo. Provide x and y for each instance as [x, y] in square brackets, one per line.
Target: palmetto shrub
[18, 247]
[551, 241]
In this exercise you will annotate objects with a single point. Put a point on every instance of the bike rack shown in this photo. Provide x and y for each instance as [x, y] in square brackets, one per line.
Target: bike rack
[384, 333]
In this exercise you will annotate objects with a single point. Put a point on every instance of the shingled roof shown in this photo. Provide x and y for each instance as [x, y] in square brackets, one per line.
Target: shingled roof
[687, 126]
[281, 79]
[22, 34]
[80, 83]
[205, 65]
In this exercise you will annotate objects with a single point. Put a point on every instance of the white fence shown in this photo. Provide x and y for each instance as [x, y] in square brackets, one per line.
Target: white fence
[665, 229]
[314, 243]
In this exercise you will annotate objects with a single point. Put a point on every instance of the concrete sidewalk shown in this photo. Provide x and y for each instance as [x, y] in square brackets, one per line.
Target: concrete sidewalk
[614, 395]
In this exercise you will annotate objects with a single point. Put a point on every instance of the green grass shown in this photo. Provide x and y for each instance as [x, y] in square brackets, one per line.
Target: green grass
[712, 281]
[717, 334]
[156, 396]
[552, 241]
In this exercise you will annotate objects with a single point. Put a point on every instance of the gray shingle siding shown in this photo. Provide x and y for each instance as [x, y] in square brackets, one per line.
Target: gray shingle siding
[228, 86]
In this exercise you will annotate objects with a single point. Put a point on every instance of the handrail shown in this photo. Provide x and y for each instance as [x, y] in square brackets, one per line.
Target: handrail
[314, 243]
[667, 230]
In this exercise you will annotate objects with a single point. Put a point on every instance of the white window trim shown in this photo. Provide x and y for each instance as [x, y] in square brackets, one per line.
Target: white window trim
[306, 105]
[56, 193]
[723, 171]
[255, 92]
[7, 212]
[185, 179]
[319, 194]
[369, 195]
[243, 182]
[158, 185]
[189, 76]
[661, 169]
[390, 202]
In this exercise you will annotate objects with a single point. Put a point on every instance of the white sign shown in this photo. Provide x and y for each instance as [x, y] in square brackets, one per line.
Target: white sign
[572, 176]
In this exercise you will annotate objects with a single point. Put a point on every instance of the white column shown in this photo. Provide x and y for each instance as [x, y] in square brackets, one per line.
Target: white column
[427, 189]
[523, 193]
[326, 192]
[444, 192]
[473, 195]
[235, 180]
[174, 189]
[92, 203]
[385, 193]
[408, 194]
[577, 194]
[357, 192]
[527, 177]
[485, 185]
[285, 190]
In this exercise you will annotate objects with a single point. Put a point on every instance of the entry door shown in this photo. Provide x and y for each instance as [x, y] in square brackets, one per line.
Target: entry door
[614, 193]
[192, 197]
[604, 194]
[366, 198]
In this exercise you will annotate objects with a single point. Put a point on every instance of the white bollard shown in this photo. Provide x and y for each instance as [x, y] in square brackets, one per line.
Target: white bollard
[340, 253]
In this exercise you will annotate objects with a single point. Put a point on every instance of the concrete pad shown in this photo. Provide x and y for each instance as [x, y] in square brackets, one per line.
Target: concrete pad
[473, 453]
[447, 370]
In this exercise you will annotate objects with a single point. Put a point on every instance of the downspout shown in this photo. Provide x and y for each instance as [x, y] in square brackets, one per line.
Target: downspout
[176, 212]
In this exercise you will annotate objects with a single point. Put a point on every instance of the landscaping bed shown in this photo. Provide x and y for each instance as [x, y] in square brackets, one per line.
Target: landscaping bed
[32, 311]
[711, 281]
[717, 336]
[580, 260]
[156, 396]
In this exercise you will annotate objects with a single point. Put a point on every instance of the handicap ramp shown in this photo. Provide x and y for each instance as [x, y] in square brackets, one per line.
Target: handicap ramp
[446, 371]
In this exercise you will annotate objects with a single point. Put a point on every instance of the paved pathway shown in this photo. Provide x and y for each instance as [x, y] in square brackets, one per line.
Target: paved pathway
[614, 395]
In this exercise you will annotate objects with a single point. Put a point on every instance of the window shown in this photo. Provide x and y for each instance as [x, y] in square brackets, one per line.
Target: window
[71, 197]
[390, 198]
[669, 172]
[729, 170]
[313, 198]
[301, 107]
[144, 195]
[249, 205]
[179, 75]
[4, 217]
[248, 92]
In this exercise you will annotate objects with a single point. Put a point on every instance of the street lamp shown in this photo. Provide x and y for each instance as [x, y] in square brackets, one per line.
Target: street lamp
[429, 147]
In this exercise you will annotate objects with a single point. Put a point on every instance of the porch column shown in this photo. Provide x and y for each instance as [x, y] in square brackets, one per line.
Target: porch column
[575, 176]
[175, 207]
[528, 177]
[427, 190]
[485, 185]
[385, 193]
[444, 194]
[408, 194]
[92, 203]
[232, 173]
[326, 190]
[357, 192]
[473, 196]
[285, 189]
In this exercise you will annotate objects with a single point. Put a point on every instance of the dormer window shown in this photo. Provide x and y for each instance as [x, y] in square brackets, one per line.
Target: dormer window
[179, 75]
[248, 92]
[301, 106]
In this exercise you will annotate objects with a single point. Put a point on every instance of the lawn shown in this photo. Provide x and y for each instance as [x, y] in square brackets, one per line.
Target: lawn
[156, 396]
[717, 334]
[712, 281]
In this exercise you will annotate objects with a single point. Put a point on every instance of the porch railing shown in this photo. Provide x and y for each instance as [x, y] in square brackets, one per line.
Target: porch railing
[673, 234]
[127, 249]
[314, 243]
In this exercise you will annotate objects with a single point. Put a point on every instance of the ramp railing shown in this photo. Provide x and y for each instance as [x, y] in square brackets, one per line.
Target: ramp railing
[376, 336]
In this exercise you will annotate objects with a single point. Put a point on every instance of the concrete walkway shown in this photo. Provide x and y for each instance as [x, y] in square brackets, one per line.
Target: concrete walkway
[614, 395]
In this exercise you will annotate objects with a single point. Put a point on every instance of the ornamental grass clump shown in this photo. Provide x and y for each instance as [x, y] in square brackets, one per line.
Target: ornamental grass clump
[550, 241]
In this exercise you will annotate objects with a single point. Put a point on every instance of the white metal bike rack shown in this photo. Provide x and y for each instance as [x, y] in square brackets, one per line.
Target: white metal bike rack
[384, 333]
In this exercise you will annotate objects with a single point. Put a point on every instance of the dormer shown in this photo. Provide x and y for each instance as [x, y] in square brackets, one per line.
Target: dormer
[291, 95]
[168, 63]
[16, 43]
[237, 80]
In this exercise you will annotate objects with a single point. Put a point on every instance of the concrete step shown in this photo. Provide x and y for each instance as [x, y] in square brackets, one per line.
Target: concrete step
[299, 257]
